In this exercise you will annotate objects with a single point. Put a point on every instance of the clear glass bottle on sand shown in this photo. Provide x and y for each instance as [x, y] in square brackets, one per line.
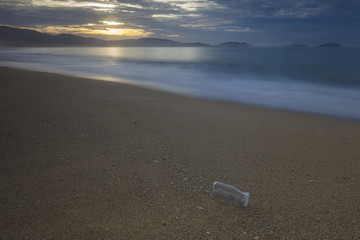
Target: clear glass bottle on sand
[229, 194]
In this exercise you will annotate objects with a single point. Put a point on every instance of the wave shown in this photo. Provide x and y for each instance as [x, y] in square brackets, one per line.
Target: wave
[304, 81]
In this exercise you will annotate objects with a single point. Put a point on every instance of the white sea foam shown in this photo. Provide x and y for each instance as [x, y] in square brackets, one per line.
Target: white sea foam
[323, 81]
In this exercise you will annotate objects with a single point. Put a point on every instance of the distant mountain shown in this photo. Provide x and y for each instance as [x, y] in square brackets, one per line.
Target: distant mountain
[19, 37]
[15, 37]
[295, 45]
[144, 42]
[74, 40]
[234, 45]
[329, 45]
[198, 44]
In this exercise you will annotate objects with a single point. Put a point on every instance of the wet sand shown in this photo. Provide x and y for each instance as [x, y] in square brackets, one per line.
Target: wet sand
[87, 159]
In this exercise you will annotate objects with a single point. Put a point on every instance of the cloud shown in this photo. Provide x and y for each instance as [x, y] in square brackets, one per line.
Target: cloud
[129, 5]
[174, 35]
[109, 29]
[191, 5]
[166, 16]
[191, 20]
[111, 23]
[106, 6]
[238, 30]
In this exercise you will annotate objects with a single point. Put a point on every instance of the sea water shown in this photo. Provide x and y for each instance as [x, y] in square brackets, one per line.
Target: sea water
[314, 80]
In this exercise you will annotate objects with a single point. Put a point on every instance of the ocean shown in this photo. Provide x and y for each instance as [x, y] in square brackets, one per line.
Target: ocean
[322, 81]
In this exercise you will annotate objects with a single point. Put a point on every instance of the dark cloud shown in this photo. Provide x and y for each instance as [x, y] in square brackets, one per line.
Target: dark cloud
[29, 16]
[261, 22]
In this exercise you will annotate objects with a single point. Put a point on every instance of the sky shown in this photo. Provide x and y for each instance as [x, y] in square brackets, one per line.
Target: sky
[258, 22]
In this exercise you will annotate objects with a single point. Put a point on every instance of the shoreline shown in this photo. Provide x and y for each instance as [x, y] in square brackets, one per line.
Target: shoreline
[92, 159]
[170, 90]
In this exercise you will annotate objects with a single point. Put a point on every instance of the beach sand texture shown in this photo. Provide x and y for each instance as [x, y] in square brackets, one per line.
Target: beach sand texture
[87, 159]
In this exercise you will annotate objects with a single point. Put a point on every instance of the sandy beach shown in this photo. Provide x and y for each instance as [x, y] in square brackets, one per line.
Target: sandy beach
[88, 159]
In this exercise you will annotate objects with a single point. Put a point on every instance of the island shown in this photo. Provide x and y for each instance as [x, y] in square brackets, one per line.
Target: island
[295, 45]
[329, 45]
[234, 45]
